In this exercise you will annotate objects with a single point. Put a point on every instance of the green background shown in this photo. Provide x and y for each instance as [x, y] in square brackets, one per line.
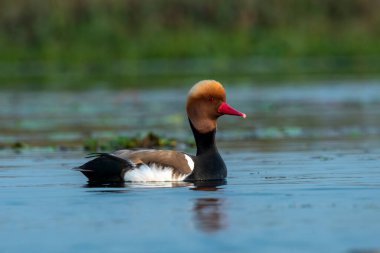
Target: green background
[119, 44]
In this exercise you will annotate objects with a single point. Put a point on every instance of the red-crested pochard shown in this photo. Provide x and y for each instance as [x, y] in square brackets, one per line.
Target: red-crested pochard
[206, 102]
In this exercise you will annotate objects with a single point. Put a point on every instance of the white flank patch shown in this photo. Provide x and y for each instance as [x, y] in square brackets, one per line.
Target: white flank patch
[159, 184]
[190, 162]
[152, 173]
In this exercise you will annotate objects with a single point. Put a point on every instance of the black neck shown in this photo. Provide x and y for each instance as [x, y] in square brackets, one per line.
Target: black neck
[208, 164]
[205, 141]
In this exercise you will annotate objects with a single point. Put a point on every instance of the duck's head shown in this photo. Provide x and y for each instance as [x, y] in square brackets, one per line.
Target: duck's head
[206, 102]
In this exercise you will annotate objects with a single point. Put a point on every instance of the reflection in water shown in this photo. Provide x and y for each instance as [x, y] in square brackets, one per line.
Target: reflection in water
[107, 187]
[208, 212]
[104, 185]
[137, 185]
[198, 185]
[209, 216]
[210, 185]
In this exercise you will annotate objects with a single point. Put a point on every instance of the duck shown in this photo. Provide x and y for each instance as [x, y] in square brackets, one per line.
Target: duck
[206, 102]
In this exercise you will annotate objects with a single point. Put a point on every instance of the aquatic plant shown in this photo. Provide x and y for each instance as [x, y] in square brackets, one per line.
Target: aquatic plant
[150, 140]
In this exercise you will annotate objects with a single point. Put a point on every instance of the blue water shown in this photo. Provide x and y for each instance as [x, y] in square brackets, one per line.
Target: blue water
[295, 201]
[304, 173]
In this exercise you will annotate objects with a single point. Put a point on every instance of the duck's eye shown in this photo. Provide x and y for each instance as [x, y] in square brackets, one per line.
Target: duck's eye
[211, 99]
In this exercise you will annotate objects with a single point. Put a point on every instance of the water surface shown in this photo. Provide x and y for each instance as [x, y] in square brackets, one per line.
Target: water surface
[304, 174]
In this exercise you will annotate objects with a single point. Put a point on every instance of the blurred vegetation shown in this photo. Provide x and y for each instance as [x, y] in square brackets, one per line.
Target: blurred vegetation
[150, 140]
[122, 43]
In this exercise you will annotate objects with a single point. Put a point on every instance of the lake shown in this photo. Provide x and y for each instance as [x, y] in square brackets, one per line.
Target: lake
[304, 173]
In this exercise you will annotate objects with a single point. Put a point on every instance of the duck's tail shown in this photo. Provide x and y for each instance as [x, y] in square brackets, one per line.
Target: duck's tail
[105, 167]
